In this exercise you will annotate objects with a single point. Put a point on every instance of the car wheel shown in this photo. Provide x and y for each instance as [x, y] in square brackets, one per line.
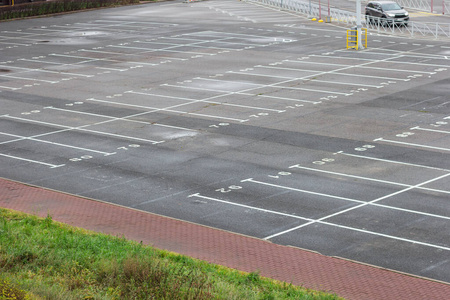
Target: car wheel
[383, 21]
[368, 19]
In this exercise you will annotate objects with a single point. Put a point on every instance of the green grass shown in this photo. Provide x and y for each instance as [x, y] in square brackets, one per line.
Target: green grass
[43, 259]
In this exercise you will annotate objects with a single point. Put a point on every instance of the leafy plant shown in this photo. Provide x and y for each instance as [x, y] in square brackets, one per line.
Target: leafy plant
[56, 261]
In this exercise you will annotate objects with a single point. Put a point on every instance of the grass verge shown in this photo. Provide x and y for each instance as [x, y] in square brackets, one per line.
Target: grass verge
[43, 259]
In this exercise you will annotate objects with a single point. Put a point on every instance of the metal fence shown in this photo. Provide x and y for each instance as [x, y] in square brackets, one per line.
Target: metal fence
[310, 9]
[437, 6]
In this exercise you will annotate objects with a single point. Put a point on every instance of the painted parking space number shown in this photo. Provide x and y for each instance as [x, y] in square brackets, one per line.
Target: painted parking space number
[229, 189]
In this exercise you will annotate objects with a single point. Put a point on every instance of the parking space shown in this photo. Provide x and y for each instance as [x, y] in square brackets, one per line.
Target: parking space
[226, 116]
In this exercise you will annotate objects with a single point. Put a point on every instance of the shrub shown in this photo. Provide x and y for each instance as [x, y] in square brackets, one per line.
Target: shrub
[56, 6]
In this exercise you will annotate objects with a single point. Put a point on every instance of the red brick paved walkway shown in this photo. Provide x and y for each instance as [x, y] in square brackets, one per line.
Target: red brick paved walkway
[347, 279]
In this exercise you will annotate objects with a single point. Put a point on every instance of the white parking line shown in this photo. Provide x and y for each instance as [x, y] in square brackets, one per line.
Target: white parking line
[302, 191]
[272, 85]
[48, 71]
[257, 86]
[23, 138]
[318, 73]
[270, 76]
[197, 43]
[348, 83]
[365, 204]
[366, 178]
[392, 161]
[390, 61]
[168, 49]
[87, 60]
[82, 128]
[411, 144]
[32, 161]
[122, 119]
[29, 79]
[198, 195]
[9, 88]
[16, 44]
[312, 221]
[313, 90]
[169, 109]
[432, 130]
[218, 96]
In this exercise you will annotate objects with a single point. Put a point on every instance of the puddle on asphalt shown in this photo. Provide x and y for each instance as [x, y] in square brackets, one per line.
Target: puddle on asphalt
[75, 38]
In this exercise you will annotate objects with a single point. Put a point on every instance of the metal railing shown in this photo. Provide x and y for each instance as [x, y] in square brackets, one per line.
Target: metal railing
[423, 29]
[439, 6]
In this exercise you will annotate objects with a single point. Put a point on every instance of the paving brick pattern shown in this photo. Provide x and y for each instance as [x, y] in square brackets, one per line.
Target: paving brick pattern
[312, 270]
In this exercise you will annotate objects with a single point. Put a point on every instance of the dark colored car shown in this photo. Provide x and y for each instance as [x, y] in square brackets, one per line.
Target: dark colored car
[386, 12]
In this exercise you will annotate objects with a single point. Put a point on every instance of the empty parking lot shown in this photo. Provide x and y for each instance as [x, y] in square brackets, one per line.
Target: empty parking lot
[239, 117]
